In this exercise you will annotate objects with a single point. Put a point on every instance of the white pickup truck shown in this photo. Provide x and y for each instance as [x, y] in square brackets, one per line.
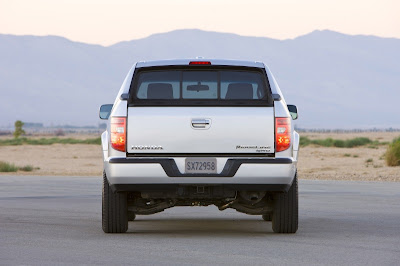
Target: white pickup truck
[200, 132]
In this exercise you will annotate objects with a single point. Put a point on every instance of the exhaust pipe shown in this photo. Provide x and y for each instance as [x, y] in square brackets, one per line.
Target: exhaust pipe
[252, 196]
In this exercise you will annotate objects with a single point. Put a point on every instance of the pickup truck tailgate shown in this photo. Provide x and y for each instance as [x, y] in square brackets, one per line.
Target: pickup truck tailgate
[200, 130]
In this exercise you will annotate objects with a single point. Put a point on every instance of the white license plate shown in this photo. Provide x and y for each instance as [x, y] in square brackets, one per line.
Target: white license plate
[201, 165]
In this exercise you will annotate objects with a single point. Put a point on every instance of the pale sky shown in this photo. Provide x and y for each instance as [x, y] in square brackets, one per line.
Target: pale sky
[108, 22]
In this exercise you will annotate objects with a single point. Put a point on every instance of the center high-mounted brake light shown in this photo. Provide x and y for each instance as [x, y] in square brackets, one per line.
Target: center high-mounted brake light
[282, 133]
[200, 63]
[118, 133]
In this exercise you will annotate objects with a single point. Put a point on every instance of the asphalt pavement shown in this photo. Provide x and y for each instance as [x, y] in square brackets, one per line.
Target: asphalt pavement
[57, 221]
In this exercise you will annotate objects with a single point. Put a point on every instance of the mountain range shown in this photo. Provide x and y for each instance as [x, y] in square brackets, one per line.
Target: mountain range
[336, 80]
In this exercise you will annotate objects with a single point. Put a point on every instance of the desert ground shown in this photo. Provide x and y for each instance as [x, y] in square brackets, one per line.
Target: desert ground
[315, 162]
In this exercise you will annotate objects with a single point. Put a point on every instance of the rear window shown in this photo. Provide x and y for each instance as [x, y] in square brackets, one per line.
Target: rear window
[200, 87]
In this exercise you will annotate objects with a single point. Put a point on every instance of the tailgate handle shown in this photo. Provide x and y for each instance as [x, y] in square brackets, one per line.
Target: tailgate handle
[201, 123]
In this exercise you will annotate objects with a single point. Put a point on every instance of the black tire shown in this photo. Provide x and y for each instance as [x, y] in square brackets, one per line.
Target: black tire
[267, 217]
[285, 216]
[114, 210]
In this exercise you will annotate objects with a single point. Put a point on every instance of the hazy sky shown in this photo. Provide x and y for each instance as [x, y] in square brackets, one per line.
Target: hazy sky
[107, 22]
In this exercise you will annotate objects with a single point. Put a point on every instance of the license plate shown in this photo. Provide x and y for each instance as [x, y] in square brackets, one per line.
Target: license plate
[201, 165]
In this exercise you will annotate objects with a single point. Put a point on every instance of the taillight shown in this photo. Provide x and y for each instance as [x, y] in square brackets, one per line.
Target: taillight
[282, 133]
[118, 133]
[199, 63]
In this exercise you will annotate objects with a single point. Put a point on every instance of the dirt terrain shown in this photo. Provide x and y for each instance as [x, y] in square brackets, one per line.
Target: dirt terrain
[360, 163]
[315, 162]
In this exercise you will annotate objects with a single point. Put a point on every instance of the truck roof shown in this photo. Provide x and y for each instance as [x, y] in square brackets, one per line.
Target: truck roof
[215, 62]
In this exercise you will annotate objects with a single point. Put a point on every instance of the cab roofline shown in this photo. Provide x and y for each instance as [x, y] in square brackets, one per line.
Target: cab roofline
[185, 62]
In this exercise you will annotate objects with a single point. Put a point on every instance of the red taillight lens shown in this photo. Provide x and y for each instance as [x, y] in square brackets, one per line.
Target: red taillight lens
[200, 63]
[282, 133]
[118, 133]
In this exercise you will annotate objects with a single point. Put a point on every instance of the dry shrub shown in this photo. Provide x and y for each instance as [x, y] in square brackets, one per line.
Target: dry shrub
[7, 167]
[392, 155]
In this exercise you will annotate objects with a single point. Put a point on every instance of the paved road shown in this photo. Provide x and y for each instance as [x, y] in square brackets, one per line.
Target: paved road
[56, 220]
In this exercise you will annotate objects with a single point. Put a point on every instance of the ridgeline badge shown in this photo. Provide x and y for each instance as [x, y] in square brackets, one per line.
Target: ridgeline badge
[263, 149]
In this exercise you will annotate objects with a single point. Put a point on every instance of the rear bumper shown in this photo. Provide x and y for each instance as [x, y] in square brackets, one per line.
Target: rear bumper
[176, 187]
[275, 173]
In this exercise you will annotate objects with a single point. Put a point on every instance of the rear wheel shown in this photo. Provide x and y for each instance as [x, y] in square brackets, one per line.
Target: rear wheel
[114, 209]
[286, 210]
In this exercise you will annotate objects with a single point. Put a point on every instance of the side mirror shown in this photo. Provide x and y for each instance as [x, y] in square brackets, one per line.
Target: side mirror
[105, 111]
[293, 111]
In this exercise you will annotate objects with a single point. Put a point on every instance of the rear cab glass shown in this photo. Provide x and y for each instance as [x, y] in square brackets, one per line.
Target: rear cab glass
[200, 85]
